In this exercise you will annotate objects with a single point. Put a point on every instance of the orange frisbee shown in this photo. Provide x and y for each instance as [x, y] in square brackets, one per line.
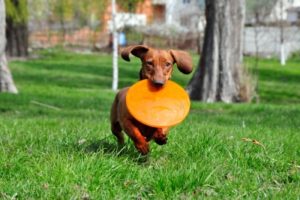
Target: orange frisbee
[158, 107]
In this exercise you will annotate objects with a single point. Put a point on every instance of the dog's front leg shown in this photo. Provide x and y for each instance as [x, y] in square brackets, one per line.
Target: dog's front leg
[134, 133]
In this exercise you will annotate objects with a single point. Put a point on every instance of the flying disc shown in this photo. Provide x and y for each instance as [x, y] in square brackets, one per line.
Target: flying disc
[157, 107]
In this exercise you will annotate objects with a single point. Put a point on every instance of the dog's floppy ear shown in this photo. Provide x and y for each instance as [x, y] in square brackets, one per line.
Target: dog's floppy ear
[183, 61]
[136, 50]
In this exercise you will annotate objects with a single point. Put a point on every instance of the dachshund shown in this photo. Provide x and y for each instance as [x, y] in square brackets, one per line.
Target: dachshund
[157, 66]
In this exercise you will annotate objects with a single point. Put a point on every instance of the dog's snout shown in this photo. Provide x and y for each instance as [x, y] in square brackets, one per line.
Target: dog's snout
[158, 83]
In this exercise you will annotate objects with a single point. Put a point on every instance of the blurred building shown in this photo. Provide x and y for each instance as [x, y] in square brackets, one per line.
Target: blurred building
[274, 20]
[160, 23]
[183, 14]
[273, 11]
[163, 23]
[293, 15]
[281, 10]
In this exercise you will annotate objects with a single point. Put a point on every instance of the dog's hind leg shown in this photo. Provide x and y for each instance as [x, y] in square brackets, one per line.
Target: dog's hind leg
[115, 125]
[117, 131]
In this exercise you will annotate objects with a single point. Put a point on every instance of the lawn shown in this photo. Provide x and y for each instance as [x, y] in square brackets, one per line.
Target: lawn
[55, 140]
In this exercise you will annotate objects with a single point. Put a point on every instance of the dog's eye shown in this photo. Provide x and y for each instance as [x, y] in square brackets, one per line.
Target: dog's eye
[149, 63]
[168, 64]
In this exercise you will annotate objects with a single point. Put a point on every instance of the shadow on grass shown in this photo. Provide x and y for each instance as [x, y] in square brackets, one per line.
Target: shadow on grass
[63, 80]
[279, 76]
[275, 95]
[112, 149]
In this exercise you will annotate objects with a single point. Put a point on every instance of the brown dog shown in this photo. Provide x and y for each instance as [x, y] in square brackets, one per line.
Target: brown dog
[157, 66]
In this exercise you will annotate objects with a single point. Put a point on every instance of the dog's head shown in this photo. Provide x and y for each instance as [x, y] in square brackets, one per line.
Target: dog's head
[157, 65]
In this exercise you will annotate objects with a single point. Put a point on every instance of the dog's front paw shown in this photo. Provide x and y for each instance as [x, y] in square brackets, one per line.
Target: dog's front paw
[160, 137]
[161, 140]
[142, 147]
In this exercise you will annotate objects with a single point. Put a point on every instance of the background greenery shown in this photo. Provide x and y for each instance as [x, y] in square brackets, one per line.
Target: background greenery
[55, 140]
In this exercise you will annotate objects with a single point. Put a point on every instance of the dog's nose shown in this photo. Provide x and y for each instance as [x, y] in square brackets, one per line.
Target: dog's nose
[158, 83]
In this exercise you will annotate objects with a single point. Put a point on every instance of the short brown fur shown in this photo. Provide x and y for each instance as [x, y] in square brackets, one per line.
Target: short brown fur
[157, 66]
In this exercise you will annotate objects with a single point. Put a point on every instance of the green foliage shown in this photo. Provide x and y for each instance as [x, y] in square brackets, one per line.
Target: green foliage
[128, 5]
[63, 9]
[296, 56]
[17, 10]
[90, 11]
[85, 12]
[55, 140]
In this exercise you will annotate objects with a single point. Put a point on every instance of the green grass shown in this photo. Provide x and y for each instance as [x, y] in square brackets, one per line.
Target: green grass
[68, 152]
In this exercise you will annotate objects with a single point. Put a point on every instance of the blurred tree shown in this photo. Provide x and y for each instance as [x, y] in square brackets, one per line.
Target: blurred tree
[63, 11]
[219, 73]
[90, 12]
[6, 81]
[16, 27]
[63, 16]
[70, 13]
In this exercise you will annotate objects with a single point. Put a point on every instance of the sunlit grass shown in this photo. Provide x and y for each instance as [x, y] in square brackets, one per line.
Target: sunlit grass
[55, 140]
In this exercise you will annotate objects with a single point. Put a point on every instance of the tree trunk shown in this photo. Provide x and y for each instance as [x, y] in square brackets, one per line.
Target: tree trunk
[6, 81]
[16, 34]
[219, 72]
